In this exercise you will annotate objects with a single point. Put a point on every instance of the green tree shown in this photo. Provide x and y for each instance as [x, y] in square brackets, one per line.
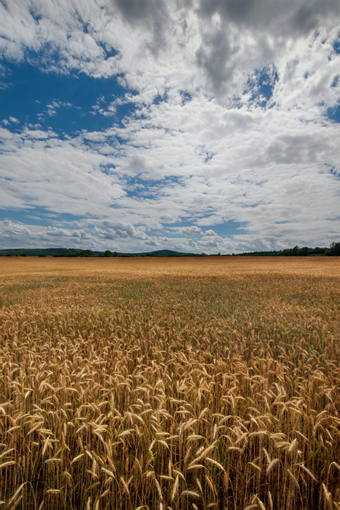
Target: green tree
[334, 250]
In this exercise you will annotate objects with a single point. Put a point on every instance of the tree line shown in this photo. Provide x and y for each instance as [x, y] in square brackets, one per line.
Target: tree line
[305, 251]
[333, 250]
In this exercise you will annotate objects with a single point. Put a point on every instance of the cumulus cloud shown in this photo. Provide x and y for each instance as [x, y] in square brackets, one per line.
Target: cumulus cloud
[229, 122]
[19, 235]
[116, 230]
[210, 233]
[10, 229]
[167, 218]
[162, 43]
[60, 175]
[192, 231]
[197, 232]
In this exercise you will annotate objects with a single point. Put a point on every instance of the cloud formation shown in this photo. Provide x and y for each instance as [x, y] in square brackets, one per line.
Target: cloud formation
[218, 114]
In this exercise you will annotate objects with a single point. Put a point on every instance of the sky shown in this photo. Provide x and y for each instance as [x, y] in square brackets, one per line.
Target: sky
[194, 125]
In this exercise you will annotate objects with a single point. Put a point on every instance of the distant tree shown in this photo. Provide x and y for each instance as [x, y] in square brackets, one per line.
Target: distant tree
[334, 250]
[317, 251]
[115, 254]
[107, 253]
[23, 254]
[304, 251]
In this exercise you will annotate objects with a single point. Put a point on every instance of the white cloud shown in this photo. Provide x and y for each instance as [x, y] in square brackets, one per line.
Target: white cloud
[60, 175]
[214, 44]
[210, 233]
[192, 231]
[168, 218]
[197, 232]
[209, 157]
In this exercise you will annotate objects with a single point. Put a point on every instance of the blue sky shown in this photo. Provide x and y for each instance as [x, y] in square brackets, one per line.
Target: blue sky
[195, 125]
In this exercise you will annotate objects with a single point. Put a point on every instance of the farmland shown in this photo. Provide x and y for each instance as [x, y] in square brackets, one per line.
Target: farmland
[170, 383]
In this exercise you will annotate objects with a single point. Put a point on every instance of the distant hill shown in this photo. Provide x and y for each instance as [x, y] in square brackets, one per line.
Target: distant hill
[167, 253]
[334, 250]
[35, 252]
[72, 252]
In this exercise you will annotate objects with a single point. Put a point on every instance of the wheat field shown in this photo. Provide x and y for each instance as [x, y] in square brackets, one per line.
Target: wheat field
[170, 383]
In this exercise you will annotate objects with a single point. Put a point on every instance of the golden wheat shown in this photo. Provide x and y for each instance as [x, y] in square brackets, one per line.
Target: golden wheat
[127, 391]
